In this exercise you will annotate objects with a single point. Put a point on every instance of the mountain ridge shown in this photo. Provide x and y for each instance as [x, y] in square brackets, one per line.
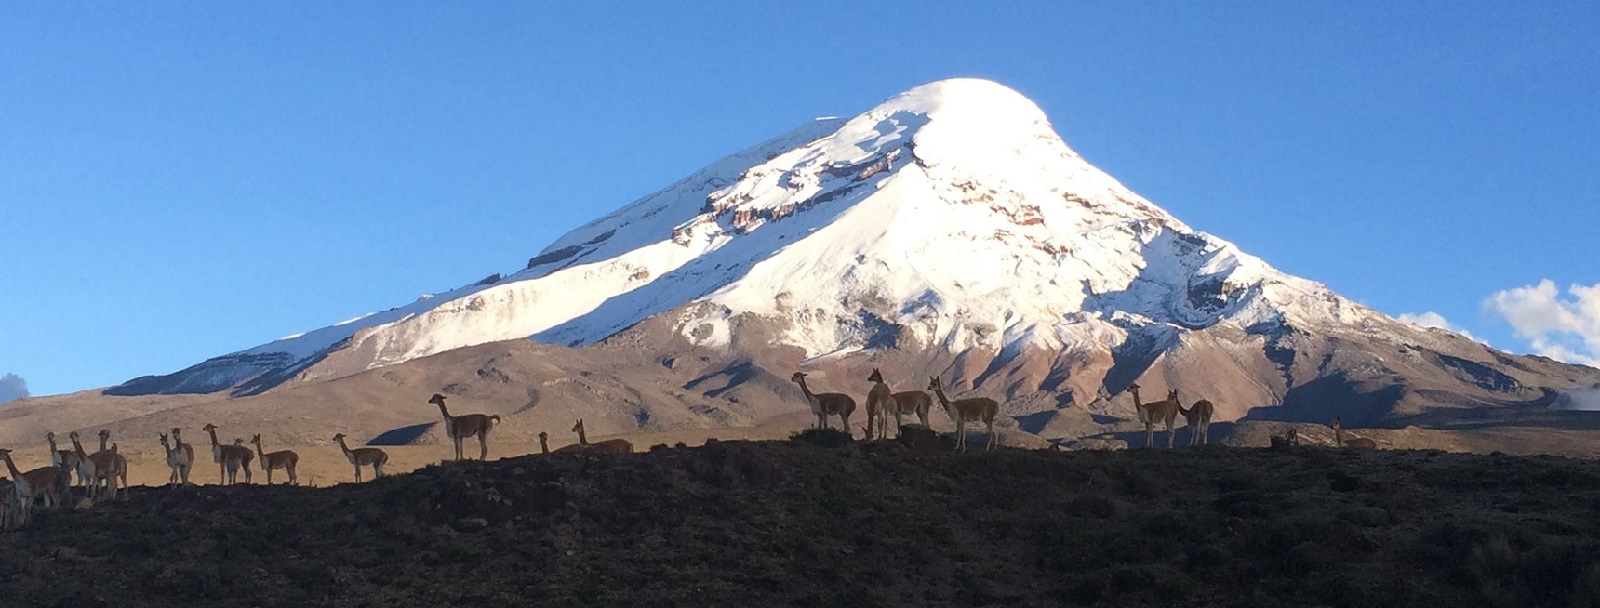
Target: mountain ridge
[951, 220]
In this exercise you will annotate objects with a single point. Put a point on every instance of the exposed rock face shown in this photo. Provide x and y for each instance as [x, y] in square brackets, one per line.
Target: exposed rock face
[948, 231]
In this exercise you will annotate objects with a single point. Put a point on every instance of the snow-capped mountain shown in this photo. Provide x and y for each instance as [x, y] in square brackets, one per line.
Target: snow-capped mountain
[950, 218]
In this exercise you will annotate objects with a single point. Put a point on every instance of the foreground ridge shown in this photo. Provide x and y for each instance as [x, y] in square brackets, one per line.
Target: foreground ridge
[865, 524]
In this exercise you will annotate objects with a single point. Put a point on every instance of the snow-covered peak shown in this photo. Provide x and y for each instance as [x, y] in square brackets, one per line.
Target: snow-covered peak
[949, 121]
[949, 215]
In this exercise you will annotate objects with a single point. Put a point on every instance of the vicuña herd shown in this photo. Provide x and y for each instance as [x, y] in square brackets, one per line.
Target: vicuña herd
[101, 475]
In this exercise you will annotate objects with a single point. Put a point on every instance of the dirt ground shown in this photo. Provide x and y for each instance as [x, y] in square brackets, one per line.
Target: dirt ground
[325, 465]
[796, 522]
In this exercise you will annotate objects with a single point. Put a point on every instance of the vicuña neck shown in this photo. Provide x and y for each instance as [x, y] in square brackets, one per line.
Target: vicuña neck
[16, 475]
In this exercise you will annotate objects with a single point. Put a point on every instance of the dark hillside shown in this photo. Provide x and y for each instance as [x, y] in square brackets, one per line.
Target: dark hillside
[792, 523]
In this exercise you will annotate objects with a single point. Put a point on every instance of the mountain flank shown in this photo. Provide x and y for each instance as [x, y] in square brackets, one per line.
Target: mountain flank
[948, 231]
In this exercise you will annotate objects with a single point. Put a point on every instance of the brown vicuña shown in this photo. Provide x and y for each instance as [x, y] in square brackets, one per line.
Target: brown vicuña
[96, 468]
[826, 404]
[49, 483]
[283, 459]
[229, 458]
[187, 449]
[609, 446]
[119, 463]
[899, 404]
[363, 457]
[972, 409]
[1353, 442]
[913, 402]
[880, 400]
[66, 460]
[458, 428]
[10, 509]
[1198, 419]
[178, 461]
[1149, 413]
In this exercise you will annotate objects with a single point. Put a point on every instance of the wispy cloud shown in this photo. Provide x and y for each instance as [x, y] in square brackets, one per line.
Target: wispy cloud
[1433, 319]
[1567, 329]
[12, 387]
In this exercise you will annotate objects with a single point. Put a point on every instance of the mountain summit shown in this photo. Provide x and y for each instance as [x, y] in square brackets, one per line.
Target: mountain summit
[951, 229]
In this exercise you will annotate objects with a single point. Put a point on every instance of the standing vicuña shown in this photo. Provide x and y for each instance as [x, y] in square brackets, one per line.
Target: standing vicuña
[10, 509]
[187, 449]
[119, 464]
[1353, 442]
[361, 457]
[45, 482]
[880, 400]
[459, 428]
[66, 460]
[1198, 419]
[230, 458]
[284, 459]
[96, 468]
[177, 460]
[964, 410]
[913, 402]
[826, 404]
[1149, 413]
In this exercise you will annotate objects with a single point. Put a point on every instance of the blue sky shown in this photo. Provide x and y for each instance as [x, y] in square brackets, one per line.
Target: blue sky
[182, 180]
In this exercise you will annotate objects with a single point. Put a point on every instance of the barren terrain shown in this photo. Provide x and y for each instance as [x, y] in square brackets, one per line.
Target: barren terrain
[798, 523]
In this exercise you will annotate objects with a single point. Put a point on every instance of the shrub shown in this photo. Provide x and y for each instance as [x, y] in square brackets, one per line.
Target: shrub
[828, 438]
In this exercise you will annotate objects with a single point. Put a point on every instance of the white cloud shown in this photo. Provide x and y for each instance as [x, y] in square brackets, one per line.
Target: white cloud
[1565, 329]
[12, 387]
[1433, 319]
[1588, 400]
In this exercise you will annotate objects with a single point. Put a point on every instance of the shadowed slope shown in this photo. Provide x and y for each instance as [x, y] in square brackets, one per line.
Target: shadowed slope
[785, 523]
